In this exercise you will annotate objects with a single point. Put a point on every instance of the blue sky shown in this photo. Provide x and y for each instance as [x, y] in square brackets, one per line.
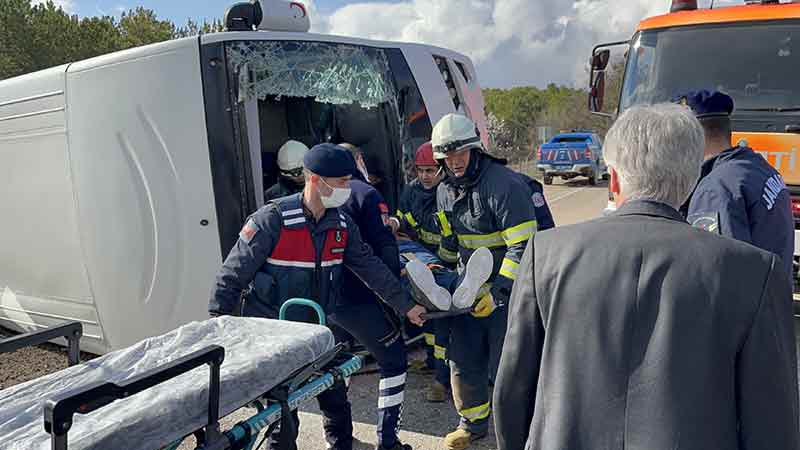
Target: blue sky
[178, 10]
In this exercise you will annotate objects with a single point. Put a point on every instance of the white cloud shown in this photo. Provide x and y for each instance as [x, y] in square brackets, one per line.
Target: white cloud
[512, 42]
[67, 5]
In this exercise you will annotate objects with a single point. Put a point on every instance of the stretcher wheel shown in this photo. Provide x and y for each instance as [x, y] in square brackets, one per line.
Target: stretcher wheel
[303, 302]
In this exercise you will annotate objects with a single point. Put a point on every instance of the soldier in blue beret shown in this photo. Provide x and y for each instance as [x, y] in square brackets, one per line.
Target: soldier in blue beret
[739, 194]
[299, 246]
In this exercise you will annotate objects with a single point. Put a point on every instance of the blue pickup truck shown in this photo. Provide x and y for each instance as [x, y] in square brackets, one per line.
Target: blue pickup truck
[570, 155]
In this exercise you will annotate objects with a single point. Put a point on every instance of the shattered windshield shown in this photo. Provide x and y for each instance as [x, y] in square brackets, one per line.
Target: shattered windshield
[332, 73]
[756, 64]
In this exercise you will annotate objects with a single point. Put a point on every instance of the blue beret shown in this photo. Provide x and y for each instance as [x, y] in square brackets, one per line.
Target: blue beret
[329, 160]
[707, 104]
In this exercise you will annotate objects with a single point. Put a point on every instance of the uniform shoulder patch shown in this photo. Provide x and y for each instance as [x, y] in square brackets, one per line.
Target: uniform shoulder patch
[706, 221]
[249, 231]
[538, 199]
[384, 209]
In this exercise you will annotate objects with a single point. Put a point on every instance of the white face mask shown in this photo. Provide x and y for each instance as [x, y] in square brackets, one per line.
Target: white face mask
[337, 198]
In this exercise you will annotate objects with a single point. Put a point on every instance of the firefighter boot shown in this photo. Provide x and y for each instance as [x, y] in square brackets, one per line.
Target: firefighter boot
[460, 439]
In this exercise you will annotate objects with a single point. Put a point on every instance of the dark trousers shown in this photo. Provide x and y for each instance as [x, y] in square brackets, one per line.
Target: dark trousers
[441, 339]
[379, 332]
[371, 325]
[474, 354]
[336, 421]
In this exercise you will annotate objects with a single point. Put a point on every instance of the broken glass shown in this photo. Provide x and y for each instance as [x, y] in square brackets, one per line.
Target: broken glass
[330, 73]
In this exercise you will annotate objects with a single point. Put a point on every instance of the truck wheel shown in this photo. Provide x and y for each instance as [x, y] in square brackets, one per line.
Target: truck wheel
[593, 178]
[548, 179]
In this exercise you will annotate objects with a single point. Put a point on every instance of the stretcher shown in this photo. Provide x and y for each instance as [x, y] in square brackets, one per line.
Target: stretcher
[155, 394]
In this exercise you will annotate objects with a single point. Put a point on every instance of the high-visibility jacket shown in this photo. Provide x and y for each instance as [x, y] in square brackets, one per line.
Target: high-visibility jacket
[495, 211]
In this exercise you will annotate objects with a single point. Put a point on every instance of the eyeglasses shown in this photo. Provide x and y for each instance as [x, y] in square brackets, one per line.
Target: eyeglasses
[292, 173]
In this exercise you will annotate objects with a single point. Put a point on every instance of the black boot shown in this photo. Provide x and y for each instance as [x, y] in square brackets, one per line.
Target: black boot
[398, 446]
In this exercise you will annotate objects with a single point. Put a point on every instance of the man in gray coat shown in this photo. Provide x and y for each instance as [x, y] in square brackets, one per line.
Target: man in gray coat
[637, 331]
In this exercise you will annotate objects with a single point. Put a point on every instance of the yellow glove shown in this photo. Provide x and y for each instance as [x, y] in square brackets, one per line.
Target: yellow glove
[484, 307]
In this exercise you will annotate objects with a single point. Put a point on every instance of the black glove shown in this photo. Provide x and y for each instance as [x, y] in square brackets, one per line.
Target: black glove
[501, 290]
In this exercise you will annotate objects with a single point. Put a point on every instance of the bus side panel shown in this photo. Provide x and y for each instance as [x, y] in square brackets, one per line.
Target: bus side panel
[139, 152]
[43, 281]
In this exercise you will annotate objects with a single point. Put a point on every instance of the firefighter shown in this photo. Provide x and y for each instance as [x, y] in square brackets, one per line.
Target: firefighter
[739, 194]
[298, 246]
[290, 168]
[479, 205]
[416, 218]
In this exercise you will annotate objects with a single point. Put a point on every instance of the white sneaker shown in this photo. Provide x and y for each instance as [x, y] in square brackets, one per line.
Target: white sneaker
[479, 269]
[423, 281]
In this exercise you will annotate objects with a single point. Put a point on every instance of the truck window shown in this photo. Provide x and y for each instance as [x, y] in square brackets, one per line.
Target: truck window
[568, 139]
[751, 62]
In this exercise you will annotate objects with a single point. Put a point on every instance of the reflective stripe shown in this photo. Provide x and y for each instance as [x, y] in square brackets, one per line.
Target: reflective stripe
[302, 265]
[292, 212]
[477, 413]
[334, 262]
[475, 241]
[410, 219]
[439, 352]
[429, 238]
[280, 262]
[388, 383]
[289, 222]
[509, 269]
[447, 255]
[519, 233]
[444, 224]
[391, 400]
[429, 338]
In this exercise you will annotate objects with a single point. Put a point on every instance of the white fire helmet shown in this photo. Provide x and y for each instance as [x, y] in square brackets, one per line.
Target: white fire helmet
[452, 133]
[290, 155]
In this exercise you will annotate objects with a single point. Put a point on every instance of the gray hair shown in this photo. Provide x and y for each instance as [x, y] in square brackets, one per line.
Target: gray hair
[657, 152]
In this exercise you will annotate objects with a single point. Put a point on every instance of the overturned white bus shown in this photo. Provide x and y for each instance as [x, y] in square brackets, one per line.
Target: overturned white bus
[126, 178]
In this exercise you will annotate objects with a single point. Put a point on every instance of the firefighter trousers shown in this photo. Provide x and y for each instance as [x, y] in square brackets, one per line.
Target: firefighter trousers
[474, 353]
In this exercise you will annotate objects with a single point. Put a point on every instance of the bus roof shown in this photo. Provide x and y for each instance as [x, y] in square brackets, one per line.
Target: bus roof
[743, 13]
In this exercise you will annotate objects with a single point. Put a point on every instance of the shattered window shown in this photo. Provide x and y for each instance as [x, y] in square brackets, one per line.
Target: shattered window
[330, 73]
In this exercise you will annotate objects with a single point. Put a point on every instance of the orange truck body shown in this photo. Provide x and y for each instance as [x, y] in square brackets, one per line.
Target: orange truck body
[780, 149]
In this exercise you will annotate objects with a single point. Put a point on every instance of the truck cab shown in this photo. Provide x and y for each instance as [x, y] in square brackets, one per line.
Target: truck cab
[751, 52]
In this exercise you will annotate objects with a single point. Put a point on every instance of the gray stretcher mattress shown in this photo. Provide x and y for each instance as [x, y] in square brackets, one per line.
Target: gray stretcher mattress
[259, 354]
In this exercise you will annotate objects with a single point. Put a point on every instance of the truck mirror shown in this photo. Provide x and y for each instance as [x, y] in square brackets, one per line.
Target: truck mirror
[597, 92]
[600, 59]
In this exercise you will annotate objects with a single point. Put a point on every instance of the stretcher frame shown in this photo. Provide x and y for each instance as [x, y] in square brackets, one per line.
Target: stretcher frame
[272, 408]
